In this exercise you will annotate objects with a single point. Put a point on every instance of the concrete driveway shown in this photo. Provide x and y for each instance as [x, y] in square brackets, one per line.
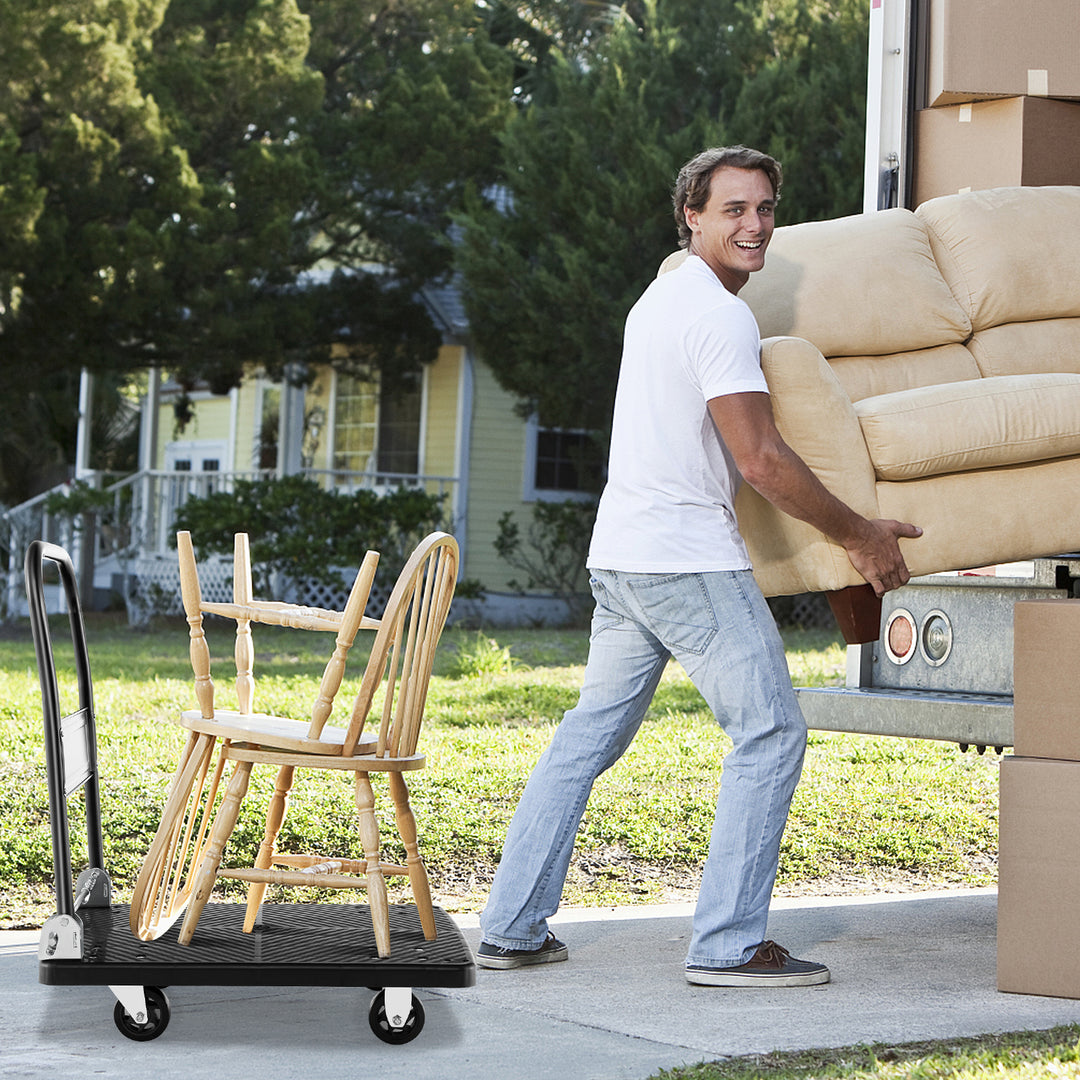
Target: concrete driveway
[904, 968]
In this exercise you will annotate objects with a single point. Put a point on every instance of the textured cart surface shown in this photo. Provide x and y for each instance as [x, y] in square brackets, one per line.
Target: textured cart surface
[293, 945]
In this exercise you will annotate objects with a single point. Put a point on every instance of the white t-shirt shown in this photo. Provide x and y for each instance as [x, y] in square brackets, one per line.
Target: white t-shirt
[668, 506]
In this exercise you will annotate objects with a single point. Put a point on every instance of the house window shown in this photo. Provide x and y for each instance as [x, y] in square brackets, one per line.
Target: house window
[377, 428]
[561, 464]
[398, 442]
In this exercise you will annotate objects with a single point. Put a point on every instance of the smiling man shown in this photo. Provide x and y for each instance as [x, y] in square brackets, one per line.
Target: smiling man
[671, 578]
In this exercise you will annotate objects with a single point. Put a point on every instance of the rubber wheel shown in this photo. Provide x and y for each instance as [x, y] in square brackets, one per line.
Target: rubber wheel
[384, 1030]
[157, 1017]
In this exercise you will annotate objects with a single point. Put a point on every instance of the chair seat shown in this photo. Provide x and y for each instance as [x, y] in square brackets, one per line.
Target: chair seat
[269, 730]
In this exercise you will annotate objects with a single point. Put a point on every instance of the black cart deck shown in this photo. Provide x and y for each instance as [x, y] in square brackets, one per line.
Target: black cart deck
[293, 945]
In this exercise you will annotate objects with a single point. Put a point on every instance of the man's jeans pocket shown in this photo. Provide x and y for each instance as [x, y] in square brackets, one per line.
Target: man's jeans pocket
[676, 608]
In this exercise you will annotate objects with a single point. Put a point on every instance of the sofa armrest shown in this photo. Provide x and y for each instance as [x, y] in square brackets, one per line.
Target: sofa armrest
[817, 419]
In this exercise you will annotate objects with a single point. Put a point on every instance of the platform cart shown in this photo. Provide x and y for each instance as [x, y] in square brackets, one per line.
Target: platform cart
[89, 941]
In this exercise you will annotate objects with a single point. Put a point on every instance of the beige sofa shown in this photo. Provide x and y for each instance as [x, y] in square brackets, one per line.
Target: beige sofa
[926, 365]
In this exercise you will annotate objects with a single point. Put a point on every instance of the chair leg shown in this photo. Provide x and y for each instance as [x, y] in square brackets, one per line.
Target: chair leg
[418, 877]
[376, 883]
[206, 873]
[275, 816]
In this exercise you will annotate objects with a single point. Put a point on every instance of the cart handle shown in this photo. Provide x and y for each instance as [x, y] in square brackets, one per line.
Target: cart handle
[70, 741]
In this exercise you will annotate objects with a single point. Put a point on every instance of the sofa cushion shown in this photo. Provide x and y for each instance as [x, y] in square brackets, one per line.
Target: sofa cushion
[865, 285]
[1026, 348]
[1008, 254]
[978, 424]
[867, 376]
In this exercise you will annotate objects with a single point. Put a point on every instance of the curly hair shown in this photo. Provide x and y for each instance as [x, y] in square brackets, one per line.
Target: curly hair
[695, 179]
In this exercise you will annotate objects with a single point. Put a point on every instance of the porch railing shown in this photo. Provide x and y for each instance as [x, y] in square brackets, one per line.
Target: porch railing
[138, 521]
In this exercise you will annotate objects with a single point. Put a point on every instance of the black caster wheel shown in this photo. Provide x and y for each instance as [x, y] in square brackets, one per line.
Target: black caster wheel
[383, 1029]
[157, 1017]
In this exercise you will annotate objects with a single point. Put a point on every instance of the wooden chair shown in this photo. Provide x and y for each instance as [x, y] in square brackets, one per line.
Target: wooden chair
[400, 668]
[163, 887]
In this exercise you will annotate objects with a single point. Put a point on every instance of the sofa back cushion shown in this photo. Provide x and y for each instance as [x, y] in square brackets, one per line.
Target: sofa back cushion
[865, 285]
[1025, 348]
[1009, 254]
[867, 376]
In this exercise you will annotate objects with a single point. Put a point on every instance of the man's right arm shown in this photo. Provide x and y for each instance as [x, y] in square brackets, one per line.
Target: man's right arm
[775, 471]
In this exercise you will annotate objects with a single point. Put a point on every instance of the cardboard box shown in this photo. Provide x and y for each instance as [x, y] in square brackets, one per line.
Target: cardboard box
[1017, 142]
[1046, 694]
[1038, 931]
[1000, 48]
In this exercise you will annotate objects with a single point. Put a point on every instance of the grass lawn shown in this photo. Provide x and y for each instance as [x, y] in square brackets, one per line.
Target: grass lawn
[1025, 1055]
[869, 814]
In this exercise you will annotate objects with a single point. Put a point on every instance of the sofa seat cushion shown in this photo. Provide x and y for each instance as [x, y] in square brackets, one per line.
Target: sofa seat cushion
[974, 424]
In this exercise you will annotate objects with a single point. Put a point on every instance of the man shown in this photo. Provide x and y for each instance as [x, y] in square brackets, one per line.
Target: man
[671, 577]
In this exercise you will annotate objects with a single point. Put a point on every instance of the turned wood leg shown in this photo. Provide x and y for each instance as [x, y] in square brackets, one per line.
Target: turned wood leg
[858, 613]
[275, 816]
[418, 877]
[376, 883]
[206, 872]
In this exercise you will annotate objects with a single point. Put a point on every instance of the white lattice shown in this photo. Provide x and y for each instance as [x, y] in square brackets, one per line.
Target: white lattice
[158, 587]
[324, 595]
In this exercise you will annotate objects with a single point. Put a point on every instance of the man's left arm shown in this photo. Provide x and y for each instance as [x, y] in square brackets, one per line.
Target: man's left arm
[777, 473]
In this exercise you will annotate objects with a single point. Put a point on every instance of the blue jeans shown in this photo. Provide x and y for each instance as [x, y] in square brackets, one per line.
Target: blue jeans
[718, 626]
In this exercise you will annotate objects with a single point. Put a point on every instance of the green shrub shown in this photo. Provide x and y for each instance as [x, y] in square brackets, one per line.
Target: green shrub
[552, 552]
[301, 531]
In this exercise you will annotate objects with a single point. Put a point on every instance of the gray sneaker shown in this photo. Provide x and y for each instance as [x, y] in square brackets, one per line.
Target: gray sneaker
[771, 965]
[495, 956]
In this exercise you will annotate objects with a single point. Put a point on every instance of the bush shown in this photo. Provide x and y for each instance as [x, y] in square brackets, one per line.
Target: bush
[301, 531]
[553, 551]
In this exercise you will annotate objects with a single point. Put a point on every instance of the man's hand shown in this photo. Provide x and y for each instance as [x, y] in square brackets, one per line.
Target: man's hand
[875, 553]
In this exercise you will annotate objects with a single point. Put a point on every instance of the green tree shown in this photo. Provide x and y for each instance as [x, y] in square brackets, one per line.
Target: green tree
[203, 184]
[553, 258]
[805, 101]
[87, 178]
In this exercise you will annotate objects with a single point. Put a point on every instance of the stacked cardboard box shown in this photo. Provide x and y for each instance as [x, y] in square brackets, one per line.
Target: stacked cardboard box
[1003, 96]
[1039, 813]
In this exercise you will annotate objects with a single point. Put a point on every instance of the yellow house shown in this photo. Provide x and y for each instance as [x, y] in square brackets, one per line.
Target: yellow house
[455, 432]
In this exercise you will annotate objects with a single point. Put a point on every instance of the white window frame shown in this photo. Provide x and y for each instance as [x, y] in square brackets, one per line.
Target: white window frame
[529, 491]
[421, 435]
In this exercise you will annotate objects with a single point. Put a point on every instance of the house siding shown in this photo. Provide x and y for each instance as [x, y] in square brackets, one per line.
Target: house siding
[497, 457]
[211, 420]
[439, 452]
[247, 425]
